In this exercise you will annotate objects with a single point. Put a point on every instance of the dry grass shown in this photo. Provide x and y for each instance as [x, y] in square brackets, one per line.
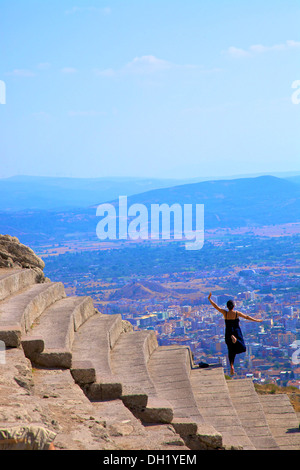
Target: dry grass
[272, 389]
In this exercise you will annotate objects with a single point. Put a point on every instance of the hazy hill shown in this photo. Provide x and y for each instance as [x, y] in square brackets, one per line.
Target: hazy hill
[263, 200]
[51, 193]
[149, 289]
[140, 290]
[294, 179]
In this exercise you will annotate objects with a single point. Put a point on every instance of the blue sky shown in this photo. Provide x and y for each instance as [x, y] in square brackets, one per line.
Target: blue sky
[155, 88]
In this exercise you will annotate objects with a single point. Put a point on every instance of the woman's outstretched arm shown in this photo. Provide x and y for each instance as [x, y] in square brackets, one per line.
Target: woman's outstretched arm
[215, 305]
[247, 317]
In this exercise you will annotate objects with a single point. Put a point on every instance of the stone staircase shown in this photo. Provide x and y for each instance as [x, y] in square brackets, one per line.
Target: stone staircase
[150, 397]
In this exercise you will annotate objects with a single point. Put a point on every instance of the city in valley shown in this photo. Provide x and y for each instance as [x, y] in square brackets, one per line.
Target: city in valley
[161, 286]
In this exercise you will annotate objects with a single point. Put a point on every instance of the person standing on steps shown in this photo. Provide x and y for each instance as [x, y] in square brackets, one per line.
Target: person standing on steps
[233, 333]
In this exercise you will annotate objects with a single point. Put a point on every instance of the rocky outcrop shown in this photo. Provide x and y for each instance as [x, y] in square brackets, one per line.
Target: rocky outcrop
[14, 254]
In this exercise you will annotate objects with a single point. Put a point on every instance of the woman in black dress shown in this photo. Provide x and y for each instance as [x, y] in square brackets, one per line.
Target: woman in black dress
[233, 333]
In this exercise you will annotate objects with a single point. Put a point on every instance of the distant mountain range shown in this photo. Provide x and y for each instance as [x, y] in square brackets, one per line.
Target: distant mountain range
[264, 200]
[51, 193]
[59, 193]
[241, 202]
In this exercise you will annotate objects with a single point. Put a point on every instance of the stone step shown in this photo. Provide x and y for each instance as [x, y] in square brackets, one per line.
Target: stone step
[13, 280]
[251, 414]
[130, 356]
[50, 399]
[91, 348]
[215, 405]
[170, 368]
[129, 359]
[282, 420]
[20, 310]
[100, 425]
[198, 436]
[56, 327]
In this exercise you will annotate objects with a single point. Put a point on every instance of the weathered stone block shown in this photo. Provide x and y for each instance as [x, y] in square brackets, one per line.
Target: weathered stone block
[83, 372]
[32, 345]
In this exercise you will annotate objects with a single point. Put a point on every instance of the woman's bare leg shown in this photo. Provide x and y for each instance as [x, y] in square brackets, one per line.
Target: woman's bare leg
[231, 357]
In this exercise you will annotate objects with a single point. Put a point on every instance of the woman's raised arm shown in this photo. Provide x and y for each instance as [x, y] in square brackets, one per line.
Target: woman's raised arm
[215, 305]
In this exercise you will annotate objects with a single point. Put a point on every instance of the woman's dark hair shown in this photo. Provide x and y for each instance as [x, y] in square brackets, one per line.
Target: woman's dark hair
[230, 304]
